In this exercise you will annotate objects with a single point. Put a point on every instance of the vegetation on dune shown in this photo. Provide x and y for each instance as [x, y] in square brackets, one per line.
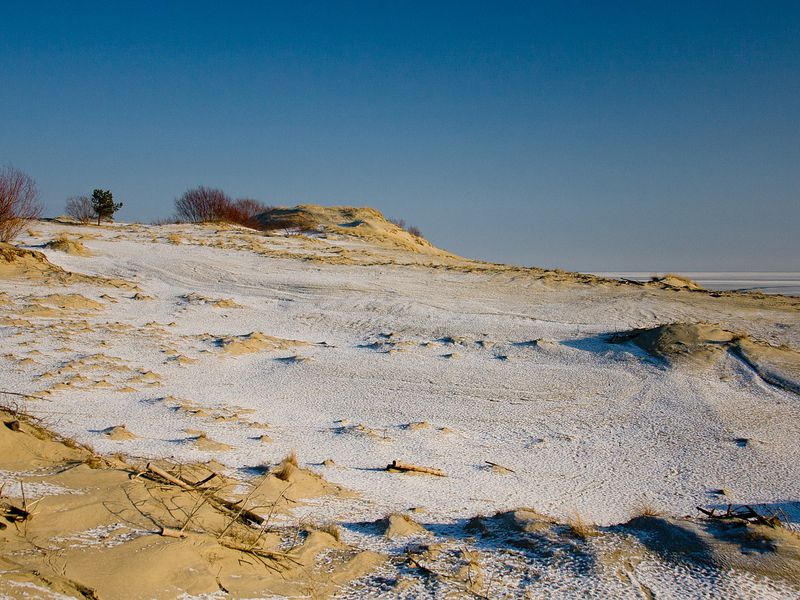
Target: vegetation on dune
[211, 205]
[103, 205]
[409, 228]
[80, 208]
[19, 202]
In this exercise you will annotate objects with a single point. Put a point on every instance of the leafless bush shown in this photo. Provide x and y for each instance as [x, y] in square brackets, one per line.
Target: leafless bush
[19, 202]
[166, 221]
[80, 208]
[409, 228]
[251, 207]
[243, 212]
[414, 231]
[201, 204]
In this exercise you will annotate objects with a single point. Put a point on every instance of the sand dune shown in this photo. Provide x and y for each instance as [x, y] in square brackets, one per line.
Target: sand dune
[702, 343]
[581, 397]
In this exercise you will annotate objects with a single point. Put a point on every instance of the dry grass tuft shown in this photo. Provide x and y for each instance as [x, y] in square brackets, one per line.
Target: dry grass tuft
[645, 509]
[580, 527]
[288, 466]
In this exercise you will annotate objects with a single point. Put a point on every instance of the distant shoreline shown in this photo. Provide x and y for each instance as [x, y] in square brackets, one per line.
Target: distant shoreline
[780, 282]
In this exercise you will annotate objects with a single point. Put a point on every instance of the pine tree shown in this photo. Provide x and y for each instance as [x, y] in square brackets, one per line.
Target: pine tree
[103, 204]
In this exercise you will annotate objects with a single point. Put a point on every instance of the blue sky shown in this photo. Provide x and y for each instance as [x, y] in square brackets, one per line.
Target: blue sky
[631, 136]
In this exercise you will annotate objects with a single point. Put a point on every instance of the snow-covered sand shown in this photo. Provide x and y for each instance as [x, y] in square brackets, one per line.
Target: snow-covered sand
[777, 282]
[444, 367]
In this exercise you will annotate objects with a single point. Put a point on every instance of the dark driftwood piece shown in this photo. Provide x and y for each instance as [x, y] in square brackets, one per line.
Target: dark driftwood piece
[240, 512]
[494, 464]
[396, 465]
[741, 513]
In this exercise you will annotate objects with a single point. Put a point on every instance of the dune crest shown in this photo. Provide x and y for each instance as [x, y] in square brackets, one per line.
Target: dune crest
[702, 344]
[69, 245]
[21, 263]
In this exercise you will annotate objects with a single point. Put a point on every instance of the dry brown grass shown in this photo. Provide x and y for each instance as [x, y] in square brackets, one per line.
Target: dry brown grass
[645, 509]
[580, 527]
[287, 466]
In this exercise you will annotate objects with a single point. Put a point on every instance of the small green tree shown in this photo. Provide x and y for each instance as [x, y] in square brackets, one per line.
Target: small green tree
[103, 204]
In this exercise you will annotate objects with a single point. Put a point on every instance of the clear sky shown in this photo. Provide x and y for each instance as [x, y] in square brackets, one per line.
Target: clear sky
[582, 135]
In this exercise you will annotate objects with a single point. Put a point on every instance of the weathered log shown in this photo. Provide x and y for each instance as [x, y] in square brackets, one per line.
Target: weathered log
[172, 533]
[233, 507]
[396, 465]
[493, 464]
[15, 514]
[170, 478]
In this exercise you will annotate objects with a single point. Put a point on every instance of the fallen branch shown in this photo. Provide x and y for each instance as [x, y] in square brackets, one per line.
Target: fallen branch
[632, 281]
[170, 478]
[492, 464]
[742, 513]
[172, 533]
[241, 513]
[14, 513]
[396, 465]
[21, 395]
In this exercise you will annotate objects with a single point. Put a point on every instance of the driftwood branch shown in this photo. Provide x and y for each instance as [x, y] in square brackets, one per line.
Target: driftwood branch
[241, 513]
[493, 464]
[172, 533]
[396, 465]
[741, 513]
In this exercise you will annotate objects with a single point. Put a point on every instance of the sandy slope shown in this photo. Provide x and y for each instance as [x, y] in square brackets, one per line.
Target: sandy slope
[361, 350]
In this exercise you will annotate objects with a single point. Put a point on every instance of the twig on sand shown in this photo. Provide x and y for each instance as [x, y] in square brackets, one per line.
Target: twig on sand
[241, 513]
[396, 465]
[172, 533]
[741, 513]
[493, 464]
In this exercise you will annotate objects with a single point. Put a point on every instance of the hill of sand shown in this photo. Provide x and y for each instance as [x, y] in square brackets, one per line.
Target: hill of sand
[339, 340]
[69, 245]
[703, 343]
[676, 281]
[365, 223]
[79, 525]
[22, 263]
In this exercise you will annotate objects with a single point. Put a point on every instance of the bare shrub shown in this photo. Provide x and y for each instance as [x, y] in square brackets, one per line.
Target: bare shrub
[414, 231]
[166, 221]
[80, 208]
[250, 207]
[243, 212]
[409, 228]
[202, 204]
[19, 202]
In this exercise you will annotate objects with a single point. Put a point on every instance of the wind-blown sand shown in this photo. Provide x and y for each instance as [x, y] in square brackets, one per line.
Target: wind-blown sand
[581, 398]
